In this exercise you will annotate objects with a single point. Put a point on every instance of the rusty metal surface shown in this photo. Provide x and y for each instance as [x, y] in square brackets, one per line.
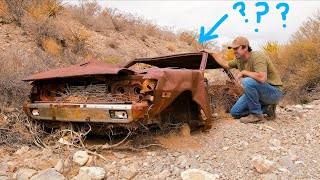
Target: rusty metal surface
[150, 92]
[93, 67]
[75, 112]
[173, 82]
[184, 60]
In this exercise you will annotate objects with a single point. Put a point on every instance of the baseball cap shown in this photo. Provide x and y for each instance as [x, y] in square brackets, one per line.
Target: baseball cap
[239, 41]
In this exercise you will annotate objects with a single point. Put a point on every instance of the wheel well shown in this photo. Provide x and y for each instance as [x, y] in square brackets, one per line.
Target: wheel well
[182, 110]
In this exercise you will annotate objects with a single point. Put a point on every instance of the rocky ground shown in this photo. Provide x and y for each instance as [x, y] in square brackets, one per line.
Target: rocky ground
[286, 148]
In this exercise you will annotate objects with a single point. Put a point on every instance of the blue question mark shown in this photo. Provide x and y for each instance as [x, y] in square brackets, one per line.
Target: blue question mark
[241, 10]
[261, 13]
[284, 13]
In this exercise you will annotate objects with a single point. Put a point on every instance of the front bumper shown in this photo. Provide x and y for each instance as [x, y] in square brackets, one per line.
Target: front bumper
[74, 112]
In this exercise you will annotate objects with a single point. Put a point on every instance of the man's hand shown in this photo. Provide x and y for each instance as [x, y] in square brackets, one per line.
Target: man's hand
[240, 75]
[259, 76]
[208, 51]
[217, 57]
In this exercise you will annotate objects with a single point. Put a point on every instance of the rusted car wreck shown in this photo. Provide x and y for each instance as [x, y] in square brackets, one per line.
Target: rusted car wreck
[173, 87]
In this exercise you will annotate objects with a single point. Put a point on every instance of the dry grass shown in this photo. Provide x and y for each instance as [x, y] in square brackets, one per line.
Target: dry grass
[64, 31]
[89, 14]
[4, 10]
[191, 38]
[298, 61]
[15, 10]
[172, 48]
[17, 63]
[43, 9]
[51, 46]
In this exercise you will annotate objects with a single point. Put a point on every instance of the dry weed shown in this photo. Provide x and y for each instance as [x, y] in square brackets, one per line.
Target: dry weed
[51, 46]
[191, 38]
[298, 62]
[16, 9]
[172, 48]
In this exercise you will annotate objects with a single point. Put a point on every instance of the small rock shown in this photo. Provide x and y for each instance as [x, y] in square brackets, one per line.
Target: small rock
[151, 153]
[269, 176]
[119, 155]
[298, 106]
[81, 176]
[4, 167]
[225, 148]
[128, 173]
[164, 174]
[275, 142]
[24, 174]
[80, 157]
[95, 173]
[262, 166]
[123, 162]
[8, 110]
[196, 174]
[134, 165]
[22, 150]
[308, 137]
[305, 106]
[48, 174]
[286, 162]
[110, 167]
[59, 166]
[183, 162]
[269, 128]
[158, 167]
[4, 178]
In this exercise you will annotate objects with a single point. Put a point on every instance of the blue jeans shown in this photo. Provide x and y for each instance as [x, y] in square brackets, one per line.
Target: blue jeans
[256, 98]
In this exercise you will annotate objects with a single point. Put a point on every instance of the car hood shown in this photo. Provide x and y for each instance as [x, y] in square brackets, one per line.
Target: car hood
[93, 67]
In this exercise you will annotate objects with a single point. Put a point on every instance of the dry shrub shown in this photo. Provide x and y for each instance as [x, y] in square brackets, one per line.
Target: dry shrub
[43, 9]
[4, 12]
[89, 14]
[78, 38]
[113, 44]
[228, 54]
[13, 131]
[17, 63]
[16, 9]
[172, 48]
[112, 59]
[102, 23]
[298, 62]
[191, 38]
[40, 21]
[51, 46]
[271, 49]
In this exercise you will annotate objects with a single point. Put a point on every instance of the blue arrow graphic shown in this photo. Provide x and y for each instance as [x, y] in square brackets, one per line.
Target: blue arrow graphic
[206, 37]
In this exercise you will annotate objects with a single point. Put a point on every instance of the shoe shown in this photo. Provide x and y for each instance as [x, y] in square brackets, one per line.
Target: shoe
[252, 118]
[271, 114]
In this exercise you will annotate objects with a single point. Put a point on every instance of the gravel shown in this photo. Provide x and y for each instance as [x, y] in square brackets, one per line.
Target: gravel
[290, 143]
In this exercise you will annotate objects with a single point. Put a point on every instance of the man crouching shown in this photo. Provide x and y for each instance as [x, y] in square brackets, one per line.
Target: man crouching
[261, 82]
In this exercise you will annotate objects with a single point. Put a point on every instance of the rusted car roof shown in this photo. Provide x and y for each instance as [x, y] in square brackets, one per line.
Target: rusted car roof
[184, 60]
[93, 67]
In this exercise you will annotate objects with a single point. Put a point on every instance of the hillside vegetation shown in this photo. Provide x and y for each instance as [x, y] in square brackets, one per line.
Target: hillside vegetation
[39, 35]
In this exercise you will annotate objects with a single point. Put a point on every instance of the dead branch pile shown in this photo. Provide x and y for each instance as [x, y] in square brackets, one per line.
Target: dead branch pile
[221, 99]
[13, 132]
[90, 93]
